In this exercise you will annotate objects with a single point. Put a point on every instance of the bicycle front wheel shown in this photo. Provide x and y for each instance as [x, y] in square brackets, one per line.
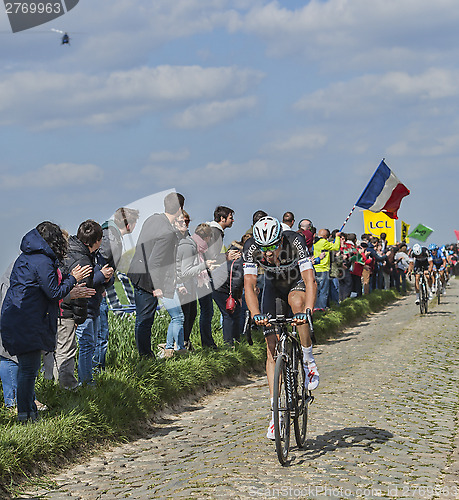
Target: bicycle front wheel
[281, 410]
[424, 298]
[300, 422]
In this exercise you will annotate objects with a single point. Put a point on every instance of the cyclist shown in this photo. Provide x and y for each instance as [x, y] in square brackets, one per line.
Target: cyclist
[447, 253]
[422, 264]
[439, 263]
[289, 275]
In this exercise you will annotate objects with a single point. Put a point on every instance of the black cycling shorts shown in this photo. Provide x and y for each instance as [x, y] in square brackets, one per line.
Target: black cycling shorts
[421, 265]
[275, 289]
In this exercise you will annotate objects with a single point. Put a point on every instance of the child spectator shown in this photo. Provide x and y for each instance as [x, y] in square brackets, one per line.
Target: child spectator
[82, 251]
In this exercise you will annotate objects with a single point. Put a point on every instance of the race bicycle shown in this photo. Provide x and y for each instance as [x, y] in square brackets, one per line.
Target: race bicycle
[423, 293]
[438, 285]
[291, 398]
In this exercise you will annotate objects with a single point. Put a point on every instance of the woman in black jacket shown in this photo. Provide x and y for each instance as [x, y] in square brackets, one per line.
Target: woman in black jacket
[30, 309]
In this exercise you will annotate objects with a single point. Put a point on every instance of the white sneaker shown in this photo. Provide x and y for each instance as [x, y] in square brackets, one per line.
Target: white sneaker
[443, 291]
[434, 290]
[270, 433]
[417, 301]
[312, 377]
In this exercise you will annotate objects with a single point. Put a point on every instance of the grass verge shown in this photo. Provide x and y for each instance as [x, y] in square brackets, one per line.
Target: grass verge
[115, 409]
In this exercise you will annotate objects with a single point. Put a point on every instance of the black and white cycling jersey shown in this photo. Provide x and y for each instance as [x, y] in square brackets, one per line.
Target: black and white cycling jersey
[294, 258]
[421, 262]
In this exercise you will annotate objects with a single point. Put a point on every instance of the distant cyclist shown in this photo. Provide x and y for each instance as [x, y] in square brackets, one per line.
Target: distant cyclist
[439, 263]
[289, 275]
[448, 254]
[422, 264]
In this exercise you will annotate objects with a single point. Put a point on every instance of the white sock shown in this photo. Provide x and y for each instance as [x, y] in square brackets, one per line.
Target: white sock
[417, 295]
[308, 358]
[272, 412]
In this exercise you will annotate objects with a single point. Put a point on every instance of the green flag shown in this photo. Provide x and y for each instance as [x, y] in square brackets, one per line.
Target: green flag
[421, 232]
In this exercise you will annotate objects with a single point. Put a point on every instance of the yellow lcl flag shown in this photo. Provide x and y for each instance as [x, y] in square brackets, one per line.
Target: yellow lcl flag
[377, 223]
[405, 230]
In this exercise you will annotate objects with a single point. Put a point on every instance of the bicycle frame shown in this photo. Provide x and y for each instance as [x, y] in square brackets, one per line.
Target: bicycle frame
[438, 284]
[423, 294]
[287, 349]
[290, 394]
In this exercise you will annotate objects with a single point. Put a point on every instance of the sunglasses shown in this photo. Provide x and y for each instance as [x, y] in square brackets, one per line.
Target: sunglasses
[270, 248]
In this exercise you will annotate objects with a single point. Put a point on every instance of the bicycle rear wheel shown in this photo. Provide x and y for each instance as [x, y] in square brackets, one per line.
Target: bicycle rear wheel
[300, 421]
[281, 411]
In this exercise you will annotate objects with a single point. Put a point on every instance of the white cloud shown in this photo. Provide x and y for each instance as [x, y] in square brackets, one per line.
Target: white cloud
[304, 140]
[119, 33]
[369, 93]
[234, 171]
[169, 156]
[48, 100]
[163, 176]
[340, 32]
[53, 176]
[213, 173]
[424, 144]
[211, 113]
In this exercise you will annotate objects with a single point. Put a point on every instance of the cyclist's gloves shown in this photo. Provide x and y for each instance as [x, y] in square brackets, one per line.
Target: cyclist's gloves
[258, 318]
[304, 317]
[300, 317]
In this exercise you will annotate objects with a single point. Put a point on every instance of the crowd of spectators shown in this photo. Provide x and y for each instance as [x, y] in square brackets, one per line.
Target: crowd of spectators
[171, 268]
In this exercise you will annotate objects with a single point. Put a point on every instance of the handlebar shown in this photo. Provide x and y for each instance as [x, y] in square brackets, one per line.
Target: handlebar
[280, 319]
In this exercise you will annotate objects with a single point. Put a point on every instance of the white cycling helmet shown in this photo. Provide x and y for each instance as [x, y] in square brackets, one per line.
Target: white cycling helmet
[267, 231]
[417, 250]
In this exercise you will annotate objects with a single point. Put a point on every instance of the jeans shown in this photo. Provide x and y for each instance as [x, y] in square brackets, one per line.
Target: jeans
[175, 328]
[322, 279]
[28, 366]
[205, 320]
[86, 334]
[345, 286]
[400, 278]
[145, 304]
[9, 376]
[386, 280]
[100, 350]
[231, 322]
[333, 294]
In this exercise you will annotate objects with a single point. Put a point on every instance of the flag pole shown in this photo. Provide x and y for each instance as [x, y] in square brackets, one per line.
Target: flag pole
[348, 217]
[353, 208]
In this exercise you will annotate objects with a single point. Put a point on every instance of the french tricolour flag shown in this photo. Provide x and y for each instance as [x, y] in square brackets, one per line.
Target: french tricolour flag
[384, 192]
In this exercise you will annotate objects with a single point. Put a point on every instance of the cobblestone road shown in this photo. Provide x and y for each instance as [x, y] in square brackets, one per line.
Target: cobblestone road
[384, 425]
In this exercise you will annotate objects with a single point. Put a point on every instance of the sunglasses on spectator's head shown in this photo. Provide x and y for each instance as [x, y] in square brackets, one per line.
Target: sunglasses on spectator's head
[270, 248]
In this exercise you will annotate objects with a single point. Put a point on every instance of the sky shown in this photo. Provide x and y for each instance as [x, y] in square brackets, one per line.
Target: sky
[251, 104]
